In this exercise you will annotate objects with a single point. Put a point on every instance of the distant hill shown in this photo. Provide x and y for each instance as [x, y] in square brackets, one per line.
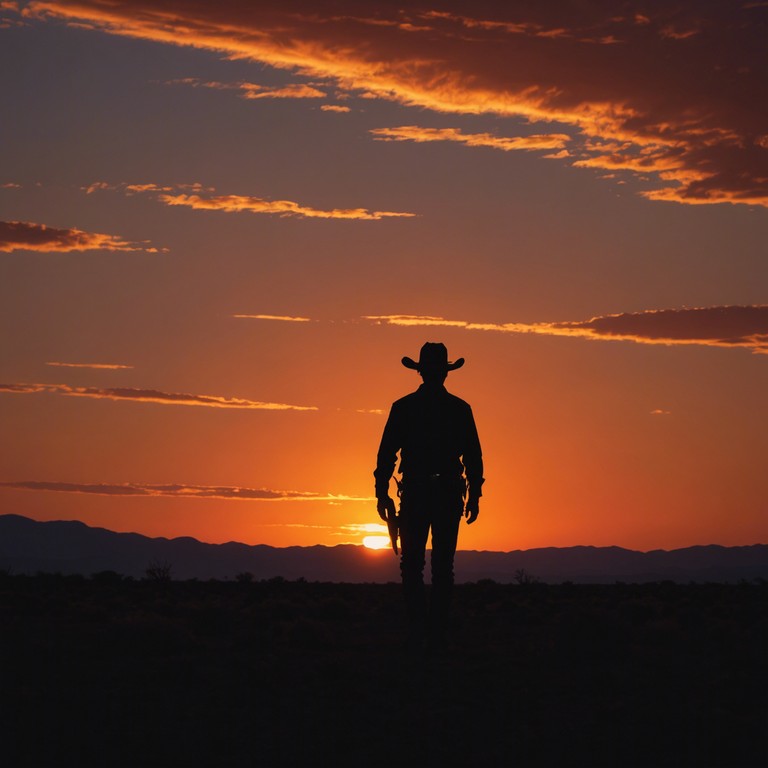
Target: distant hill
[67, 547]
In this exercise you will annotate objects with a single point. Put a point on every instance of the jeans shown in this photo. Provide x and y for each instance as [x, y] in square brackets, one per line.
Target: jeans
[433, 504]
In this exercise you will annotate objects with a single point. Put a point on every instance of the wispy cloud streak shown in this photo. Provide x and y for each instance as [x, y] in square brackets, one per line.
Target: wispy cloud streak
[146, 188]
[726, 326]
[221, 492]
[420, 135]
[201, 198]
[254, 90]
[28, 236]
[241, 203]
[281, 318]
[96, 366]
[152, 396]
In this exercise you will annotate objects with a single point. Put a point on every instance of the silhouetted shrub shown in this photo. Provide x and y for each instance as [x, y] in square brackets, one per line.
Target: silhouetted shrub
[523, 578]
[158, 571]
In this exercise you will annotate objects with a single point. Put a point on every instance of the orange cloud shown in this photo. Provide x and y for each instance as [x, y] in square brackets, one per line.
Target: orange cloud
[418, 134]
[682, 78]
[26, 236]
[254, 90]
[293, 91]
[240, 203]
[334, 108]
[728, 326]
[284, 318]
[12, 18]
[422, 321]
[230, 493]
[99, 366]
[153, 396]
[137, 189]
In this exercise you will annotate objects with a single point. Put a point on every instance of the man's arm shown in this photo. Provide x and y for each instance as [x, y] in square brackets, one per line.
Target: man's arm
[473, 466]
[385, 465]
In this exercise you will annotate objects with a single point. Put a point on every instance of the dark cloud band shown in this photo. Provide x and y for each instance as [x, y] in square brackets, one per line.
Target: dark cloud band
[153, 396]
[230, 493]
[27, 236]
[728, 326]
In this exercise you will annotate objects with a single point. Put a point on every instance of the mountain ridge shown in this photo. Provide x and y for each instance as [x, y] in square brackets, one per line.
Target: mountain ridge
[68, 547]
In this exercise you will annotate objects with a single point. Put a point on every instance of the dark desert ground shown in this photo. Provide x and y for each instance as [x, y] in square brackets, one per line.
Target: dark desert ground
[111, 671]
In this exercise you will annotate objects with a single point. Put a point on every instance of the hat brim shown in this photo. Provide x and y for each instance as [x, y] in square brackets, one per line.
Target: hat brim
[414, 366]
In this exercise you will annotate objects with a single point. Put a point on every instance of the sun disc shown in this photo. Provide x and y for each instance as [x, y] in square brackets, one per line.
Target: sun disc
[376, 542]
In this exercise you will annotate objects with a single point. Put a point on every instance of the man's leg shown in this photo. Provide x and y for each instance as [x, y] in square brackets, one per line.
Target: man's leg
[445, 533]
[414, 529]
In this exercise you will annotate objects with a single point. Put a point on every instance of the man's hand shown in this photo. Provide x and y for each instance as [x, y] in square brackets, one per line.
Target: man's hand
[472, 510]
[385, 506]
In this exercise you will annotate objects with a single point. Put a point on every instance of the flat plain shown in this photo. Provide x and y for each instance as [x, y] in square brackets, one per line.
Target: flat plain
[112, 671]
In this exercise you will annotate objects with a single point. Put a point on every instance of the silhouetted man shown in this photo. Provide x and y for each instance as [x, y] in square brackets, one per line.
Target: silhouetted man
[441, 465]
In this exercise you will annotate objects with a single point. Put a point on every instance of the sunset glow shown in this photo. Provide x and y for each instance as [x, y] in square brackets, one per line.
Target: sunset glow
[255, 210]
[377, 542]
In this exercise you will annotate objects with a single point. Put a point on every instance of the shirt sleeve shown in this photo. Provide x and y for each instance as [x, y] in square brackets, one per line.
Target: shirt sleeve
[473, 458]
[387, 455]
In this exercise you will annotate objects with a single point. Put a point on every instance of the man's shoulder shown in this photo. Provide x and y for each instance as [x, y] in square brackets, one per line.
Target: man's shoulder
[406, 400]
[414, 399]
[457, 400]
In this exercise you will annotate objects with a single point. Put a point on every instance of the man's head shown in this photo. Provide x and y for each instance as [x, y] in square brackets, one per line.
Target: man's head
[433, 363]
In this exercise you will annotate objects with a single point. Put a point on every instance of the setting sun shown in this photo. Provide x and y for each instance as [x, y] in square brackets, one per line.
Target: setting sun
[376, 542]
[378, 537]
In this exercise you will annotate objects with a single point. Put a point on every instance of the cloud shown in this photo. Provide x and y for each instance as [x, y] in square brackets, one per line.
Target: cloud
[283, 318]
[676, 85]
[334, 108]
[255, 91]
[153, 396]
[293, 91]
[418, 134]
[137, 189]
[178, 195]
[9, 14]
[26, 236]
[364, 528]
[230, 493]
[99, 366]
[240, 203]
[726, 326]
[345, 530]
[428, 321]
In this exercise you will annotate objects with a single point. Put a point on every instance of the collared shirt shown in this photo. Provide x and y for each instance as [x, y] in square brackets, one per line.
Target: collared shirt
[435, 433]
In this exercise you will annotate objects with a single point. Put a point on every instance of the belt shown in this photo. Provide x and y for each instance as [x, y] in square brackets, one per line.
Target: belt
[433, 476]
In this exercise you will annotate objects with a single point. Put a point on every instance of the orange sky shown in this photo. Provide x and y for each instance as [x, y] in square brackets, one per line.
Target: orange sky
[223, 224]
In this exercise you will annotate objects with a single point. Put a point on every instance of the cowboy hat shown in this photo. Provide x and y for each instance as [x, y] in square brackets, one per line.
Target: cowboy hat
[432, 356]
